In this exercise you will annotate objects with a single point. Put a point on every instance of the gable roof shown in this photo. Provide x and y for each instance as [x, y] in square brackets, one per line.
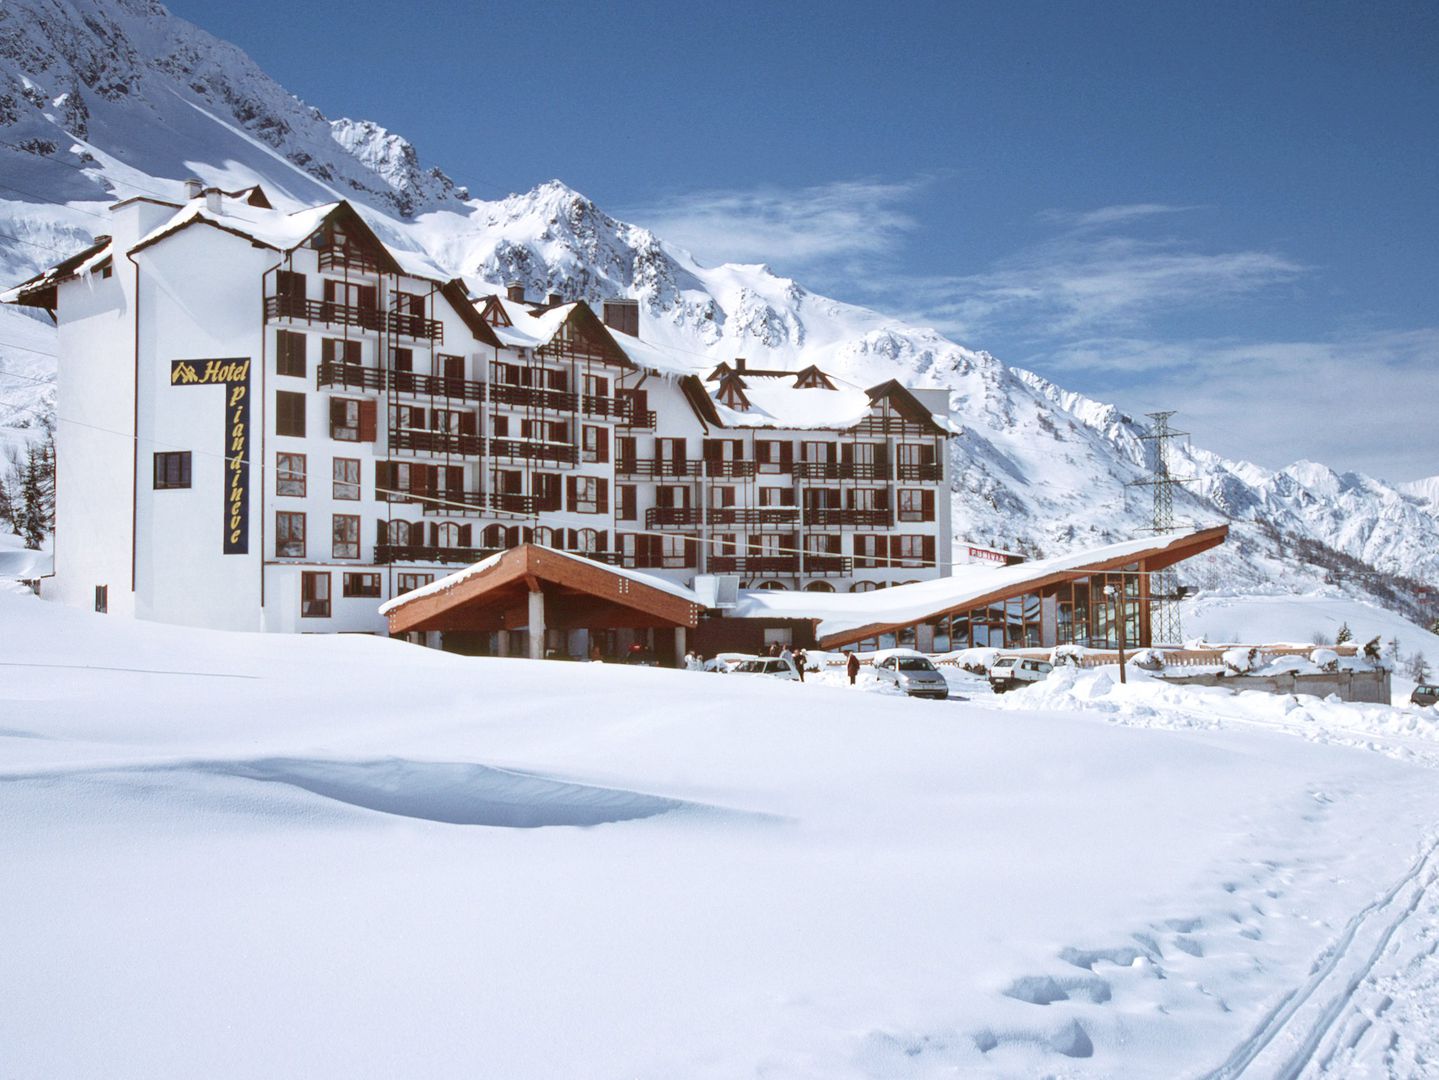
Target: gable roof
[523, 325]
[41, 290]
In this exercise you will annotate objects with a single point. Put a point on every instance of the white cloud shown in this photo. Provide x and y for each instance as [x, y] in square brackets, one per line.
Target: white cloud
[1360, 401]
[792, 228]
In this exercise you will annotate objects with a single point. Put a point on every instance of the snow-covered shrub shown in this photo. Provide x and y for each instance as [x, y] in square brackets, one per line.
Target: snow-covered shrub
[1148, 659]
[1067, 655]
[1325, 659]
[1240, 660]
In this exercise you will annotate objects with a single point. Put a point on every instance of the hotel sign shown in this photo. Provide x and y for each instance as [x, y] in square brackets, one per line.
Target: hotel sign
[234, 375]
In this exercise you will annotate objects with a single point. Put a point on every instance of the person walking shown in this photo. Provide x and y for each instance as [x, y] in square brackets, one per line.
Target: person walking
[801, 661]
[851, 666]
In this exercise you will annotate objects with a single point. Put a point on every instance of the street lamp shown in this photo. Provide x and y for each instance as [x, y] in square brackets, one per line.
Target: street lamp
[1113, 594]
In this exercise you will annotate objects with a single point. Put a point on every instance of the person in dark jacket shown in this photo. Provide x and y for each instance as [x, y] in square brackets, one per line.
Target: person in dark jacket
[851, 666]
[801, 661]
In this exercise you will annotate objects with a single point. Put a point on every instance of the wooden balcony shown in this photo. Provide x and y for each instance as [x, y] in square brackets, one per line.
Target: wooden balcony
[331, 373]
[534, 450]
[533, 397]
[435, 442]
[926, 472]
[841, 470]
[348, 260]
[659, 468]
[424, 553]
[753, 566]
[329, 313]
[826, 517]
[658, 517]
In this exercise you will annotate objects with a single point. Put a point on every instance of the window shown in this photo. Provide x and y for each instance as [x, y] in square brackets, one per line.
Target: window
[588, 495]
[346, 536]
[290, 353]
[912, 550]
[626, 498]
[290, 474]
[396, 533]
[547, 491]
[314, 595]
[675, 551]
[774, 457]
[340, 351]
[450, 367]
[289, 283]
[289, 413]
[346, 478]
[345, 419]
[871, 552]
[500, 427]
[402, 360]
[411, 582]
[596, 443]
[916, 505]
[776, 496]
[362, 585]
[721, 497]
[289, 535]
[102, 599]
[172, 469]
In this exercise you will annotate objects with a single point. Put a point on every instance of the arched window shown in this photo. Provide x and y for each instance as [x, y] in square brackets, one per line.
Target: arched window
[397, 533]
[772, 586]
[586, 542]
[862, 586]
[447, 534]
[819, 586]
[494, 536]
[544, 536]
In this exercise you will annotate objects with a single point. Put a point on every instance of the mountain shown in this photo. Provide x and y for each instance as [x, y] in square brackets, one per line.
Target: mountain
[103, 101]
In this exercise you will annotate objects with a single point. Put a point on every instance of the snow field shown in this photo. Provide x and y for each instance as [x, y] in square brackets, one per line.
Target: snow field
[236, 855]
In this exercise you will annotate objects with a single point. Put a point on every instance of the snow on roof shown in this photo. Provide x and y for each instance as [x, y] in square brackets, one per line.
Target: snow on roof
[82, 262]
[903, 604]
[527, 329]
[451, 581]
[776, 402]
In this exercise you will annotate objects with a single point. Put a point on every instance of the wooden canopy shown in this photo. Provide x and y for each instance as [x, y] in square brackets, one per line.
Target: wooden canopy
[578, 593]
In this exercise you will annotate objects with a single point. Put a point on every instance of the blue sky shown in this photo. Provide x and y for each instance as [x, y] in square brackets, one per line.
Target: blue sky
[1228, 209]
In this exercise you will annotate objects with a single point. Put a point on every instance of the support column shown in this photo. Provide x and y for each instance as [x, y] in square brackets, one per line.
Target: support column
[502, 643]
[679, 646]
[537, 625]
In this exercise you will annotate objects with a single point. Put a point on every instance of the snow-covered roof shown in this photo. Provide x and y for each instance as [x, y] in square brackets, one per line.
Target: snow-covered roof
[775, 401]
[528, 328]
[32, 291]
[459, 577]
[902, 605]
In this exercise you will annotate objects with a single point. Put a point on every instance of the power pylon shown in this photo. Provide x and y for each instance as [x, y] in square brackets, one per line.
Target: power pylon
[1164, 621]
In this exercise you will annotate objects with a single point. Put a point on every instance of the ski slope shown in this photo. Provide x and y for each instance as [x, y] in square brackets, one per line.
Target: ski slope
[234, 855]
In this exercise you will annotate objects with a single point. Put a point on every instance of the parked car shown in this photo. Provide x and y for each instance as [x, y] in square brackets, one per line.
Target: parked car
[915, 675]
[775, 667]
[1011, 672]
[1424, 694]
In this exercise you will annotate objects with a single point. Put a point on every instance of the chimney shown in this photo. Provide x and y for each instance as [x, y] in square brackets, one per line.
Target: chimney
[623, 316]
[194, 188]
[739, 363]
[213, 202]
[553, 299]
[515, 291]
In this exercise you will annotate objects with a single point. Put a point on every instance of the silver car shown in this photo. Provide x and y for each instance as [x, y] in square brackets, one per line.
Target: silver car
[915, 675]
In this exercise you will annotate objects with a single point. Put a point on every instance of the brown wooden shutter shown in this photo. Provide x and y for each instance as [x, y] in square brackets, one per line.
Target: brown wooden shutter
[381, 526]
[465, 535]
[434, 534]
[332, 289]
[383, 480]
[369, 420]
[602, 495]
[926, 505]
[929, 551]
[454, 480]
[602, 444]
[786, 456]
[571, 493]
[467, 423]
[367, 297]
[337, 412]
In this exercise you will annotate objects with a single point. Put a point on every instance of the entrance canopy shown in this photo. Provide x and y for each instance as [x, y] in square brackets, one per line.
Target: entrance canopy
[537, 588]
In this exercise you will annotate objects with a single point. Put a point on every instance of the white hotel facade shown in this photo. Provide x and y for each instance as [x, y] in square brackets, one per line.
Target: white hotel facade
[274, 421]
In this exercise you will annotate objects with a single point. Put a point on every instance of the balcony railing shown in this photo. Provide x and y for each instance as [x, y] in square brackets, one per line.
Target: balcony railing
[348, 259]
[639, 418]
[424, 553]
[531, 450]
[833, 517]
[841, 470]
[330, 313]
[410, 382]
[932, 470]
[348, 376]
[301, 309]
[742, 516]
[754, 565]
[519, 504]
[828, 565]
[434, 442]
[682, 467]
[533, 397]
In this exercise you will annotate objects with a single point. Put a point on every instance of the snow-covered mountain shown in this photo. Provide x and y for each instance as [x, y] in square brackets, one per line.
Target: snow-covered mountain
[100, 101]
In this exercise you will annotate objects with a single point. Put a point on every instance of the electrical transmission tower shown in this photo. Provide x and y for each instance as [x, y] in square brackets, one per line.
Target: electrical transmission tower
[1164, 593]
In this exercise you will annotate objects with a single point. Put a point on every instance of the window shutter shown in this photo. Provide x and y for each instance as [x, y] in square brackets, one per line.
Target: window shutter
[926, 505]
[337, 412]
[380, 531]
[367, 296]
[602, 495]
[454, 480]
[434, 534]
[571, 492]
[929, 550]
[786, 455]
[383, 480]
[465, 535]
[369, 420]
[467, 423]
[602, 444]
